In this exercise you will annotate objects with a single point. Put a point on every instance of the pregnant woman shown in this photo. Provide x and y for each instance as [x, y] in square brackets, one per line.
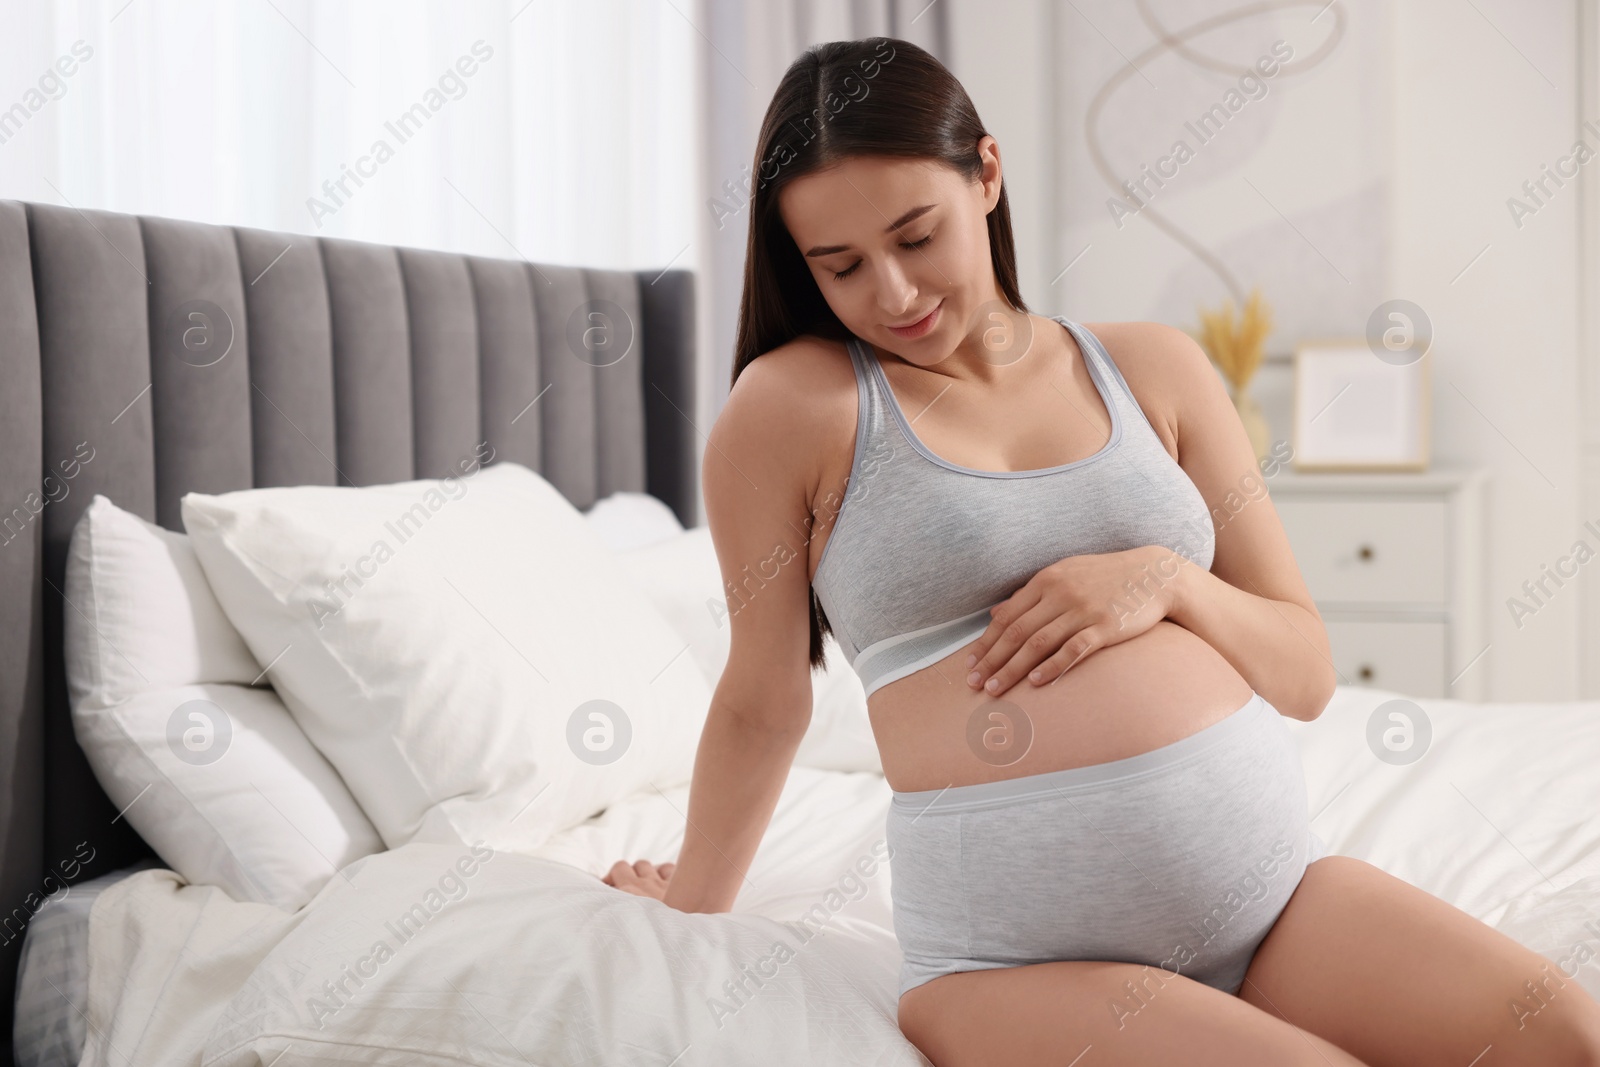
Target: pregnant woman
[1046, 551]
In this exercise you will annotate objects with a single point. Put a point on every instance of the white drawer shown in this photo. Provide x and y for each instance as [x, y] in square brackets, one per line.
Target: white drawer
[1408, 657]
[1365, 551]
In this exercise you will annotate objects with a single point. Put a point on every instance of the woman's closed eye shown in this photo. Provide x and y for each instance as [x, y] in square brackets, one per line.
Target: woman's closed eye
[851, 269]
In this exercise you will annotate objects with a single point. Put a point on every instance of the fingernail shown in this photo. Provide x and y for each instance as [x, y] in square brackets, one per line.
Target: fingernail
[992, 684]
[972, 679]
[1036, 676]
[972, 658]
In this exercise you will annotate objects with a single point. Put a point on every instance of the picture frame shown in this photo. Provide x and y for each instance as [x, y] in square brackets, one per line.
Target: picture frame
[1356, 412]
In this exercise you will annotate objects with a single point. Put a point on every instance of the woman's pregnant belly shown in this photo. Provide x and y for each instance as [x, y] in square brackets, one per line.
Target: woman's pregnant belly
[933, 730]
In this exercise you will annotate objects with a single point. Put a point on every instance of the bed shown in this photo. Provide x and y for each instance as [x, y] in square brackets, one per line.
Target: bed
[394, 362]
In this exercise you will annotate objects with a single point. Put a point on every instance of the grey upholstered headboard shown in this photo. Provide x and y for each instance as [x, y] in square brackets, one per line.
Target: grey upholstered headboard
[145, 357]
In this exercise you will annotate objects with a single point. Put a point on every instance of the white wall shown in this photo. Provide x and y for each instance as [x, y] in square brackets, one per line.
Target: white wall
[1393, 159]
[1001, 50]
[1474, 120]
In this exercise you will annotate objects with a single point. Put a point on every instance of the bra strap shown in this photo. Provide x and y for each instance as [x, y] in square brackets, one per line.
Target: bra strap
[1107, 367]
[865, 379]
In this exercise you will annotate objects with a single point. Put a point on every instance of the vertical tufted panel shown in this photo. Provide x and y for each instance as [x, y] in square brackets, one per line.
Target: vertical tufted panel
[199, 363]
[444, 360]
[290, 341]
[91, 297]
[371, 362]
[21, 653]
[94, 339]
[672, 441]
[614, 343]
[571, 462]
[508, 353]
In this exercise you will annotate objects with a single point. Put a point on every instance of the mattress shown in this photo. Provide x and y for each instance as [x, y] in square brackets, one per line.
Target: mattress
[539, 962]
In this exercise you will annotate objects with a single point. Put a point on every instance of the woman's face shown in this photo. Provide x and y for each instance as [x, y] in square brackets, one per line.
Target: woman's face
[900, 249]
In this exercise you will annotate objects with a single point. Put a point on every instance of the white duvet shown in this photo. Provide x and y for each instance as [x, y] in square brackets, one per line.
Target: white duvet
[431, 954]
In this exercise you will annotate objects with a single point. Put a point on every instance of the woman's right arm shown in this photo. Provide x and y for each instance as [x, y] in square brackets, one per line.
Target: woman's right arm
[757, 476]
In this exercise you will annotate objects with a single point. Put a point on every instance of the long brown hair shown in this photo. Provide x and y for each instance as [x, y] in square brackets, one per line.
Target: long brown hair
[877, 96]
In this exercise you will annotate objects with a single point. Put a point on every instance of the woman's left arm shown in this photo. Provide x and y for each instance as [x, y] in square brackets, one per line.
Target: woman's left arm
[1252, 606]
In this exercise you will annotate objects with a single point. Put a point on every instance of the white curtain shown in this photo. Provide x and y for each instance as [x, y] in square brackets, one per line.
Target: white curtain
[556, 130]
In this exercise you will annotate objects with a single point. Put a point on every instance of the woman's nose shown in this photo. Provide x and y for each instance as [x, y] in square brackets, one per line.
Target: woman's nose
[896, 293]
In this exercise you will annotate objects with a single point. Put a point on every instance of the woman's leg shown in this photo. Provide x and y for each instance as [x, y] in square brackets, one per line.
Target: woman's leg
[1089, 1014]
[1397, 976]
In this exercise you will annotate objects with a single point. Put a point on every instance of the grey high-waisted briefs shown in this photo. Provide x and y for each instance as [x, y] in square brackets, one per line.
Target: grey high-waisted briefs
[1180, 858]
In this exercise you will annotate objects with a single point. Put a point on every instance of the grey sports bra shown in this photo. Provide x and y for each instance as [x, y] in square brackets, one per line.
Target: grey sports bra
[921, 548]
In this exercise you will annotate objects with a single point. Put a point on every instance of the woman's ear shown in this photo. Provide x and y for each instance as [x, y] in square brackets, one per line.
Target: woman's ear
[990, 178]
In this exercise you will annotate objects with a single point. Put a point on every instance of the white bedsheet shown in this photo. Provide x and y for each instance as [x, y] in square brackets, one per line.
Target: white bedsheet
[1500, 816]
[539, 963]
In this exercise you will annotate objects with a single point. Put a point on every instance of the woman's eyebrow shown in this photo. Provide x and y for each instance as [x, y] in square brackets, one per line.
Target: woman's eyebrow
[914, 213]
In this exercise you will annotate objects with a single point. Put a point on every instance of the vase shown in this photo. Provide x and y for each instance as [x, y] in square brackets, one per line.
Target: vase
[1255, 423]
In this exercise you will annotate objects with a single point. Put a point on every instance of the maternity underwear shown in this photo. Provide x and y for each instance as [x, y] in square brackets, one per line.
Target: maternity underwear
[1179, 858]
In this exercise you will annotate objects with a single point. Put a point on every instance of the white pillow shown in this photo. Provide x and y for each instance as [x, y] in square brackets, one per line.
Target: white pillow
[682, 578]
[840, 737]
[227, 790]
[444, 644]
[627, 520]
[139, 613]
[251, 807]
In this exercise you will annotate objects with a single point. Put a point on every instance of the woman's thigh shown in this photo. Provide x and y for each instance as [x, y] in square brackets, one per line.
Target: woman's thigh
[1095, 1014]
[1397, 976]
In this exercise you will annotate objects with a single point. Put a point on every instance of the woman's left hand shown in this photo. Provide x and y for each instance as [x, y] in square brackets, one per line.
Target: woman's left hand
[1070, 609]
[641, 878]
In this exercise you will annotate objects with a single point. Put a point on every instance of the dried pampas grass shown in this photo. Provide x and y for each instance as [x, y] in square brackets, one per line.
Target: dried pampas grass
[1236, 348]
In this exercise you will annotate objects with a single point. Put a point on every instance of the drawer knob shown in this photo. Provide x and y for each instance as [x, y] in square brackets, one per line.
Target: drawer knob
[1365, 553]
[1365, 672]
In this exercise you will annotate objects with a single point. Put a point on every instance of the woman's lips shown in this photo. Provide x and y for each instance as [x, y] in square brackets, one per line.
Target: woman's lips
[920, 327]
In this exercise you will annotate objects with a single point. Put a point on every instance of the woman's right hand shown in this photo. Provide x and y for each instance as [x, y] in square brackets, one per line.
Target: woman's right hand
[641, 877]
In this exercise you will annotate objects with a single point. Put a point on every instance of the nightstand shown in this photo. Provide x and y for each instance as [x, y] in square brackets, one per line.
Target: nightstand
[1395, 563]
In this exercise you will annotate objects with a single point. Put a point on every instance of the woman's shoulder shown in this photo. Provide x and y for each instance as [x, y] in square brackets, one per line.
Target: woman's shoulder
[1153, 356]
[798, 396]
[801, 378]
[800, 361]
[1165, 368]
[1150, 349]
